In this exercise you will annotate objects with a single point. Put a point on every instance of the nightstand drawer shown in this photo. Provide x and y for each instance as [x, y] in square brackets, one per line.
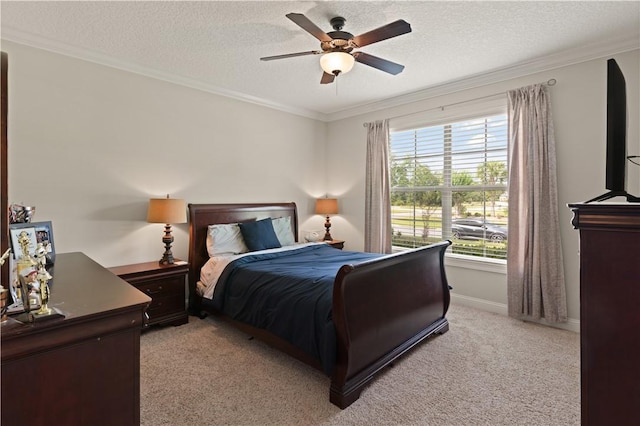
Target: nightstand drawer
[163, 306]
[160, 288]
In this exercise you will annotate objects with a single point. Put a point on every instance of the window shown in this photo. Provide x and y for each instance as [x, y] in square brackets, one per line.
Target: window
[449, 181]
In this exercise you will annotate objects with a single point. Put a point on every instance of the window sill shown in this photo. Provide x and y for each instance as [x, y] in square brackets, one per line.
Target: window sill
[476, 263]
[496, 266]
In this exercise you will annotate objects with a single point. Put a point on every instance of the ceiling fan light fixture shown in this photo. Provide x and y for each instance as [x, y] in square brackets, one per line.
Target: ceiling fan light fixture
[337, 62]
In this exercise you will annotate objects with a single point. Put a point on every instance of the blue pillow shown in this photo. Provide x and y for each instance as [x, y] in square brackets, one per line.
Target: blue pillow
[259, 235]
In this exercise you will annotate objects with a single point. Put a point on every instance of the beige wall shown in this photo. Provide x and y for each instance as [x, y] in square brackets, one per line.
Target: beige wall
[579, 110]
[89, 145]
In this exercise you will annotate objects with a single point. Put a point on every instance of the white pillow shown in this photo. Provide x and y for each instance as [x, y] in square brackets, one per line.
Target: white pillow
[282, 227]
[225, 239]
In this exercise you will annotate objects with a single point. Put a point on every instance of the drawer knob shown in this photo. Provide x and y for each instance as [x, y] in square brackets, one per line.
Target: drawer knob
[149, 291]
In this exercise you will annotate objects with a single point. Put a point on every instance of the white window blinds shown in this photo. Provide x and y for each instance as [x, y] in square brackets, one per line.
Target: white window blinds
[449, 180]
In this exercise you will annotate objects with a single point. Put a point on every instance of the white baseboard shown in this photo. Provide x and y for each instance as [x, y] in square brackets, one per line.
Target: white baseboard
[501, 308]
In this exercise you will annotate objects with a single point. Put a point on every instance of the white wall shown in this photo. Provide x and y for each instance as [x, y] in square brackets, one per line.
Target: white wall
[579, 109]
[89, 145]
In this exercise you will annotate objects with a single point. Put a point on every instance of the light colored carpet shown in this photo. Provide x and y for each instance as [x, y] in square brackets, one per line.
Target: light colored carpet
[487, 370]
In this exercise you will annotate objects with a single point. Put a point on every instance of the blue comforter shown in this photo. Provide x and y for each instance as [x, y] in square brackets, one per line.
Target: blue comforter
[288, 293]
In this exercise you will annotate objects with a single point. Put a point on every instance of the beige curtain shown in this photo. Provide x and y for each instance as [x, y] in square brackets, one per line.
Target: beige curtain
[377, 221]
[535, 273]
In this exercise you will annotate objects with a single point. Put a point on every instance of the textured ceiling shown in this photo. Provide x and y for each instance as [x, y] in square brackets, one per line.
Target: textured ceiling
[217, 45]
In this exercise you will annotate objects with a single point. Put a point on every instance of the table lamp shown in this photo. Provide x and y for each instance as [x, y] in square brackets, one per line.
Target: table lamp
[167, 211]
[327, 206]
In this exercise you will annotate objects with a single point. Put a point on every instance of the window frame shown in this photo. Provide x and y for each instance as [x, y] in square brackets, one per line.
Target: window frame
[465, 110]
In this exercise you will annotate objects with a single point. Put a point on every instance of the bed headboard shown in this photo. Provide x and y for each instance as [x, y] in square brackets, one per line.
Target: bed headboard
[203, 215]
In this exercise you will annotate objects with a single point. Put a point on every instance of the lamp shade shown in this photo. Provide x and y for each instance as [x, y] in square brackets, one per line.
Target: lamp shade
[337, 62]
[326, 206]
[167, 210]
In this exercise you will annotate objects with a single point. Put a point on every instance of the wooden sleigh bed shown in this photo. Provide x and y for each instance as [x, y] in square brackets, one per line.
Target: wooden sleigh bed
[381, 308]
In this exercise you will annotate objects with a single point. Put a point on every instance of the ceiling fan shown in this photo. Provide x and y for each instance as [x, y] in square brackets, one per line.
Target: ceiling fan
[336, 46]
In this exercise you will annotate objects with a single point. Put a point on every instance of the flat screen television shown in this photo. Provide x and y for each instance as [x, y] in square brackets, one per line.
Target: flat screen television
[616, 166]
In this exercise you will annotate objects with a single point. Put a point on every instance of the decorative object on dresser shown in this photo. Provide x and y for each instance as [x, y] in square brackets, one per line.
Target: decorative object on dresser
[167, 211]
[327, 206]
[40, 233]
[4, 293]
[609, 312]
[368, 309]
[165, 284]
[83, 369]
[33, 250]
[33, 288]
[21, 214]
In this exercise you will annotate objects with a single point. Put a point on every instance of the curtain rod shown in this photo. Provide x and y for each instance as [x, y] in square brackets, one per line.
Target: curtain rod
[550, 82]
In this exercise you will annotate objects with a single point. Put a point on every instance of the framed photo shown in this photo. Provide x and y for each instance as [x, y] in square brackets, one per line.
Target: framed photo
[30, 234]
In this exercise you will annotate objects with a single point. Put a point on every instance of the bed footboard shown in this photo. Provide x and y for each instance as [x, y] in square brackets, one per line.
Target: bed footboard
[381, 309]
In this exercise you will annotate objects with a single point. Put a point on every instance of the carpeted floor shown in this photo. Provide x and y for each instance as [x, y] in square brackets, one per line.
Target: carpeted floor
[487, 370]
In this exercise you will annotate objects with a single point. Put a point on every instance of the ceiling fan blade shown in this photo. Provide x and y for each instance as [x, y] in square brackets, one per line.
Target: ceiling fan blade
[304, 23]
[393, 29]
[291, 55]
[327, 78]
[379, 63]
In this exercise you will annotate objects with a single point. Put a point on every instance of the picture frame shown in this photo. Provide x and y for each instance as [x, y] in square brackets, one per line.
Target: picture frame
[37, 232]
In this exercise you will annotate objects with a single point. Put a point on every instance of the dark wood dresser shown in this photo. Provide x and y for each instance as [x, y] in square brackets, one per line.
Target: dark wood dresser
[609, 312]
[83, 369]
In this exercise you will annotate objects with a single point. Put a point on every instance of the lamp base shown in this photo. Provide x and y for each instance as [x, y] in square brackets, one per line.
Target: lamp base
[327, 234]
[167, 257]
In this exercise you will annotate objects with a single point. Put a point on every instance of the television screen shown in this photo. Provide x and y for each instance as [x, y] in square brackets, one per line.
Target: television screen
[616, 166]
[616, 128]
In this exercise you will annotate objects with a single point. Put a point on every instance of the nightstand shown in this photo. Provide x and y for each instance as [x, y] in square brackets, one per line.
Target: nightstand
[165, 284]
[339, 244]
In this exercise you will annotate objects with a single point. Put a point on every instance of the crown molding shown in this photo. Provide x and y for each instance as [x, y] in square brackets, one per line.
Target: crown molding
[44, 43]
[546, 63]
